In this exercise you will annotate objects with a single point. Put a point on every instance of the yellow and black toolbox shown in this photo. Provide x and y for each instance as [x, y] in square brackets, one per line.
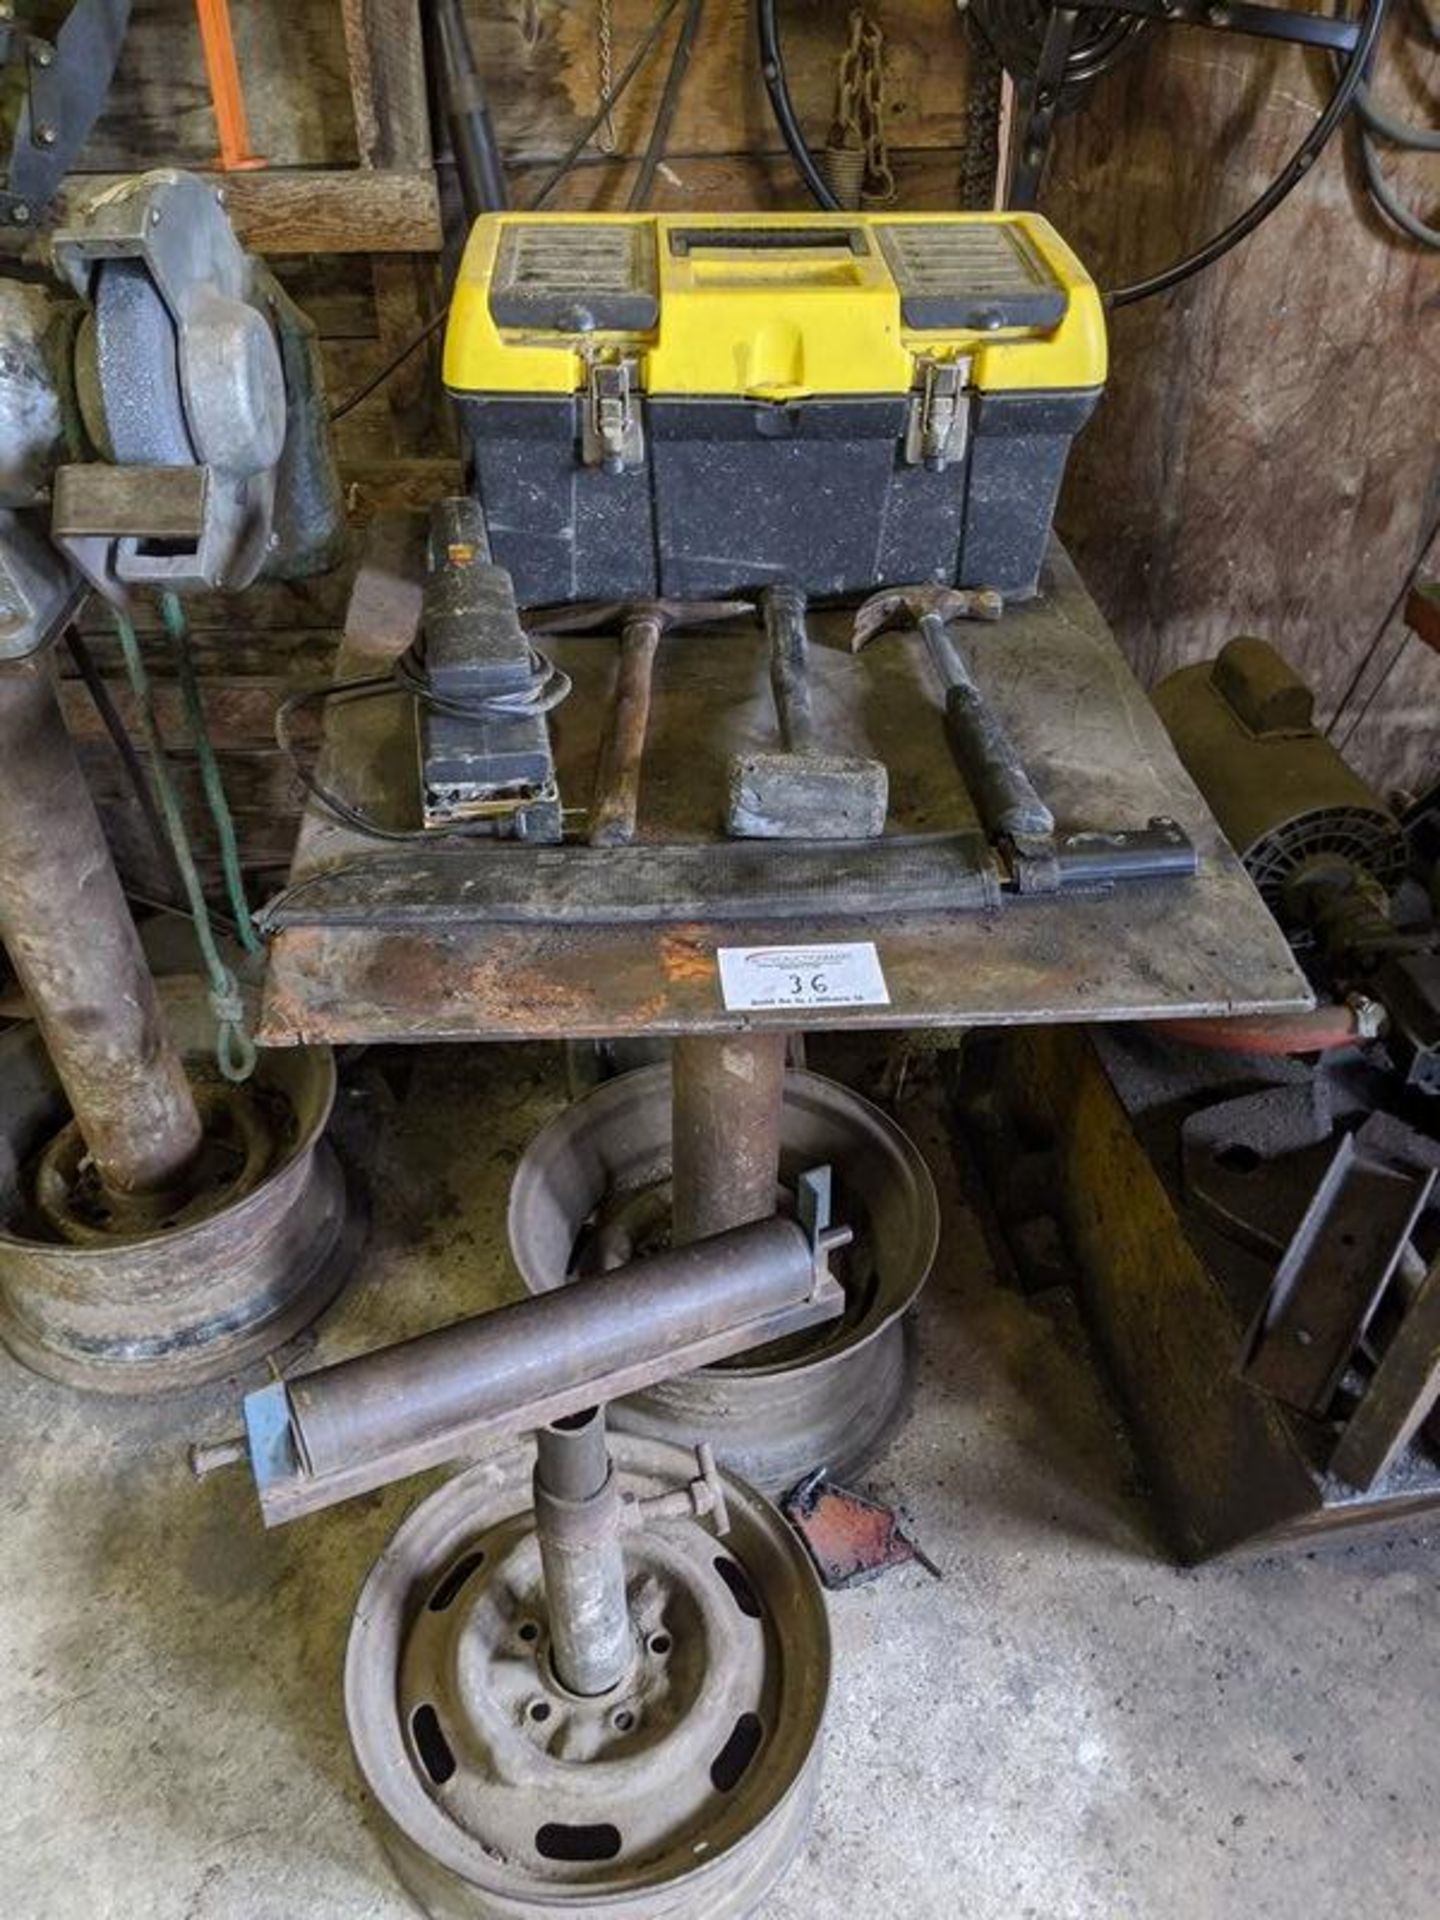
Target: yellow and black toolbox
[656, 405]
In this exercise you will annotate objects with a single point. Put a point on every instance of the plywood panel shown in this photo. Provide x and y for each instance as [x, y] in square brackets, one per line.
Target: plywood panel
[544, 86]
[291, 55]
[1266, 456]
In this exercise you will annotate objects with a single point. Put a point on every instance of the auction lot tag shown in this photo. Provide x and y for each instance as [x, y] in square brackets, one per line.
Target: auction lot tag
[755, 978]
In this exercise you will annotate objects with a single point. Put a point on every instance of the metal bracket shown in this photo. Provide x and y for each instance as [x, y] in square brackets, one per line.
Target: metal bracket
[39, 592]
[937, 424]
[1330, 1279]
[63, 90]
[611, 434]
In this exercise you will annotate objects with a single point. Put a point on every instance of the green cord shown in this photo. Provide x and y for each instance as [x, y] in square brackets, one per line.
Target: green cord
[234, 1048]
[173, 614]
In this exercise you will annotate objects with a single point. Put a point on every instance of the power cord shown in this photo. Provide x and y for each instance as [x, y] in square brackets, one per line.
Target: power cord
[547, 687]
[234, 1048]
[1373, 124]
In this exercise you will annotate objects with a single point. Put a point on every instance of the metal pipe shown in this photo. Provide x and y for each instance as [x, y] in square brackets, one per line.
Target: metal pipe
[633, 1324]
[70, 937]
[572, 1459]
[725, 1130]
[577, 1524]
[478, 160]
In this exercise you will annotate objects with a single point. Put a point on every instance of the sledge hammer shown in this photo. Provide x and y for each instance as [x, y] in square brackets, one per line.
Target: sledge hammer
[800, 792]
[1006, 801]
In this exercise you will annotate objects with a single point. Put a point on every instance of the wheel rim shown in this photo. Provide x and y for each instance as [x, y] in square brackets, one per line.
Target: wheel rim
[684, 1790]
[833, 1397]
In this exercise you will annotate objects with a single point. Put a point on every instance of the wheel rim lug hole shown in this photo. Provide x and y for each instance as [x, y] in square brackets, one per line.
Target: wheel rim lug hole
[538, 1712]
[529, 1632]
[659, 1645]
[623, 1720]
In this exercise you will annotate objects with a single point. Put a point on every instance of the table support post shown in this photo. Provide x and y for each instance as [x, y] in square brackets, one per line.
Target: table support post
[71, 940]
[725, 1130]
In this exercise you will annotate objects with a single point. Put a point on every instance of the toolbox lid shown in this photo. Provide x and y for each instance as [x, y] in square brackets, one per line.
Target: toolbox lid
[771, 306]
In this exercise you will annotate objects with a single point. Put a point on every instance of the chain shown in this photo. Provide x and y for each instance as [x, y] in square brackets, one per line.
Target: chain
[856, 154]
[605, 138]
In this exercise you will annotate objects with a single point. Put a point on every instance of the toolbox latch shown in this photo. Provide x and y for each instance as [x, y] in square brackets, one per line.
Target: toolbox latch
[938, 423]
[611, 435]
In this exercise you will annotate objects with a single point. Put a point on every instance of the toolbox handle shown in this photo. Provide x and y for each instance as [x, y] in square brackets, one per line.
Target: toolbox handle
[684, 240]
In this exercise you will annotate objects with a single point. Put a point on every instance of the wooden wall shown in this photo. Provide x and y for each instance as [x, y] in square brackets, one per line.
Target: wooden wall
[1264, 458]
[348, 214]
[726, 152]
[1268, 451]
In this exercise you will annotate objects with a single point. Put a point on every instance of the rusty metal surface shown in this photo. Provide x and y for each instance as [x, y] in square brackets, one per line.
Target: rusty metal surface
[852, 1540]
[1090, 740]
[725, 1131]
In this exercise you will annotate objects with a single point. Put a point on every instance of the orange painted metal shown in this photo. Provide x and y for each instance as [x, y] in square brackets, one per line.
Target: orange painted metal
[226, 94]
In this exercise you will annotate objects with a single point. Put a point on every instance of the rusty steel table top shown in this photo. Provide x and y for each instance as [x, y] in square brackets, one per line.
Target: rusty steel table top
[1086, 731]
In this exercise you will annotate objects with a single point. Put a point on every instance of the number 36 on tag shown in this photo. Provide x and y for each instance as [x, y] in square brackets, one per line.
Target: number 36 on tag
[753, 979]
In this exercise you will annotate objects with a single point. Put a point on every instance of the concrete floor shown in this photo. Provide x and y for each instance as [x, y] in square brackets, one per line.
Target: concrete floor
[1064, 1728]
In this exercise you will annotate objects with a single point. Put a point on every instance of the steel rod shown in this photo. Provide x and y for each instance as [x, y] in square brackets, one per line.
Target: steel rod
[577, 1524]
[493, 1367]
[725, 1131]
[71, 940]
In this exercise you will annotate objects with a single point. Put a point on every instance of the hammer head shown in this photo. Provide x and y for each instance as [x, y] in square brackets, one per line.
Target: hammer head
[598, 616]
[805, 796]
[908, 606]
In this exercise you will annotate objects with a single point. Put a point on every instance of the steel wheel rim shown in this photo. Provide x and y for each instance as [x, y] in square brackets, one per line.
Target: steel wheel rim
[398, 1632]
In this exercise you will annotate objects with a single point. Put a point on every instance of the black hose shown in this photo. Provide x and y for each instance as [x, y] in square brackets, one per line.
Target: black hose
[772, 68]
[607, 101]
[472, 136]
[665, 112]
[1373, 124]
[1284, 183]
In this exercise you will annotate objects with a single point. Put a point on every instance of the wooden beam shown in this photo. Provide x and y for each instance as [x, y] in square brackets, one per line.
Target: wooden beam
[300, 210]
[387, 83]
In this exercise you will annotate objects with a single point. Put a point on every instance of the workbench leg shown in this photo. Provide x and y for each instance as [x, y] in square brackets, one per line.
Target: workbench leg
[725, 1131]
[68, 931]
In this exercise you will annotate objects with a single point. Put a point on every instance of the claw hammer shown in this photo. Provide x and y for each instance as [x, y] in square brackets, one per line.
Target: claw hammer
[1008, 805]
[615, 800]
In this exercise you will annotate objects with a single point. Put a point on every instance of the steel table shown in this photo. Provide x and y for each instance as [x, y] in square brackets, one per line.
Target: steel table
[1088, 734]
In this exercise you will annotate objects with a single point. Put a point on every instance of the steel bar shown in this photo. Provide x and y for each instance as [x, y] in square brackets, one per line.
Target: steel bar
[1401, 1394]
[1331, 1276]
[577, 1525]
[365, 1422]
[71, 939]
[725, 1131]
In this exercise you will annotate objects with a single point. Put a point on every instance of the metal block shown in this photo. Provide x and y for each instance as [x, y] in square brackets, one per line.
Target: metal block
[1331, 1277]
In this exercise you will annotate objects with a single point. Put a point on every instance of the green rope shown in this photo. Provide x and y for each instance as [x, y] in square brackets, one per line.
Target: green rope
[173, 614]
[234, 1048]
